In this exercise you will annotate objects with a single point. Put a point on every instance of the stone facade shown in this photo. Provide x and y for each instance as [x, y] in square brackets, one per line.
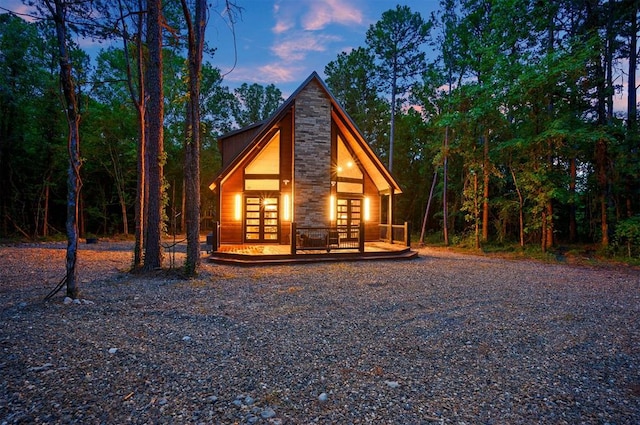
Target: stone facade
[312, 156]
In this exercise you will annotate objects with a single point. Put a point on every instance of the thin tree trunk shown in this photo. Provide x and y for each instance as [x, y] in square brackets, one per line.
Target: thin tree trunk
[192, 147]
[426, 211]
[520, 208]
[393, 122]
[632, 105]
[445, 183]
[476, 208]
[549, 239]
[45, 219]
[138, 96]
[486, 174]
[155, 145]
[601, 174]
[573, 227]
[58, 11]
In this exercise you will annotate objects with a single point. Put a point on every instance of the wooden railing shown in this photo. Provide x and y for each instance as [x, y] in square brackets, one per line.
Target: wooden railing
[326, 238]
[396, 233]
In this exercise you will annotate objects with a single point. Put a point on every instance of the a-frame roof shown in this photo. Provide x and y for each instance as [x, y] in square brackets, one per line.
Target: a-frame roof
[381, 177]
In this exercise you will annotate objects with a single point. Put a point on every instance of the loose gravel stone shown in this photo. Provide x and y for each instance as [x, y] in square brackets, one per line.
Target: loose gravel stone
[443, 339]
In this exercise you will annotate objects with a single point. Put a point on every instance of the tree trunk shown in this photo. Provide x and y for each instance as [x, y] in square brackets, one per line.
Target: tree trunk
[520, 208]
[445, 182]
[155, 144]
[486, 174]
[601, 174]
[192, 146]
[476, 209]
[139, 99]
[549, 236]
[58, 11]
[45, 219]
[632, 105]
[393, 123]
[573, 228]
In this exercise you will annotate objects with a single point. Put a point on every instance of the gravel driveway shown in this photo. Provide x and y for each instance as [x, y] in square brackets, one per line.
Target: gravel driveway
[445, 338]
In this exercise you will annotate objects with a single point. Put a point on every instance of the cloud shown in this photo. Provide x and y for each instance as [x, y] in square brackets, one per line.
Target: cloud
[296, 47]
[282, 26]
[279, 73]
[324, 12]
[265, 74]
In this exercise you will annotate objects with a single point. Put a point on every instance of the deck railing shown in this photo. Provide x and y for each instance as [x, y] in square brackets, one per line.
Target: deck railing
[326, 238]
[396, 233]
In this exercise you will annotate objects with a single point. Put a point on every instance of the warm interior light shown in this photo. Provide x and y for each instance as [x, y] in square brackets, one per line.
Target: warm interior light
[286, 211]
[367, 209]
[332, 208]
[238, 211]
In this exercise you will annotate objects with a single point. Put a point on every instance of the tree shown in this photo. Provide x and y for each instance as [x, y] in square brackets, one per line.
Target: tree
[154, 141]
[255, 103]
[396, 40]
[195, 30]
[352, 80]
[138, 96]
[59, 10]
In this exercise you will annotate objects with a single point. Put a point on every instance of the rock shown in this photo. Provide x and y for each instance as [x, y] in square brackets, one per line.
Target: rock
[323, 397]
[41, 368]
[113, 350]
[163, 401]
[212, 399]
[267, 413]
[87, 302]
[392, 384]
[76, 301]
[67, 300]
[248, 400]
[186, 338]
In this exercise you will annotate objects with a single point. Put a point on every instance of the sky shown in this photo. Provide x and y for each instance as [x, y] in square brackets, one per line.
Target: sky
[284, 41]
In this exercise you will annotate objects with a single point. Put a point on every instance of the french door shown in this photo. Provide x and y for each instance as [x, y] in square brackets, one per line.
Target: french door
[261, 219]
[348, 218]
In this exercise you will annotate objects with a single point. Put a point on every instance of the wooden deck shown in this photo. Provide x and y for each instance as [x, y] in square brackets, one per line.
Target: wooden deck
[281, 254]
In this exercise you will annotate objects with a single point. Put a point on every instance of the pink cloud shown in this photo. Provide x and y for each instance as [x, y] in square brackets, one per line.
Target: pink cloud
[265, 74]
[296, 47]
[324, 12]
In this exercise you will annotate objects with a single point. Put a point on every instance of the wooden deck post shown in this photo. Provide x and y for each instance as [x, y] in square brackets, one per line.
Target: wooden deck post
[407, 234]
[361, 237]
[293, 238]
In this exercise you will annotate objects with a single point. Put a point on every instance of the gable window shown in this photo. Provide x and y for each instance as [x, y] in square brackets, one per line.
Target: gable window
[263, 172]
[349, 175]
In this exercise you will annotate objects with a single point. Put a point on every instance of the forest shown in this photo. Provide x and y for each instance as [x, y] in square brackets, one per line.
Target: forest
[523, 130]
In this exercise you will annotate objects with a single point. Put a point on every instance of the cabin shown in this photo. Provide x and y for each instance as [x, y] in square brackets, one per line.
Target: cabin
[304, 179]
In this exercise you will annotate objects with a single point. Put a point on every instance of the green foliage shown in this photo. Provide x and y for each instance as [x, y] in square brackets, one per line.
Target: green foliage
[255, 103]
[627, 234]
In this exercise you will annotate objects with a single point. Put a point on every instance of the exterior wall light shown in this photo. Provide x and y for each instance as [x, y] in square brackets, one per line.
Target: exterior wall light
[238, 208]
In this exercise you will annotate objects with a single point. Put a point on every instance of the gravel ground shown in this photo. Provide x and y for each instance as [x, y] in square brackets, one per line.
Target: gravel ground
[443, 339]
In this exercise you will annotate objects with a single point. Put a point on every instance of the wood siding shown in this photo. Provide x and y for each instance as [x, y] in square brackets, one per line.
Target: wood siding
[230, 228]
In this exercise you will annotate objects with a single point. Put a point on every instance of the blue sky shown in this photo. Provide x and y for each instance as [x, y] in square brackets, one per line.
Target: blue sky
[283, 41]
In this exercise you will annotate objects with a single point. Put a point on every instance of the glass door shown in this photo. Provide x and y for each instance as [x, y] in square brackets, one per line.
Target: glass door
[261, 219]
[348, 218]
